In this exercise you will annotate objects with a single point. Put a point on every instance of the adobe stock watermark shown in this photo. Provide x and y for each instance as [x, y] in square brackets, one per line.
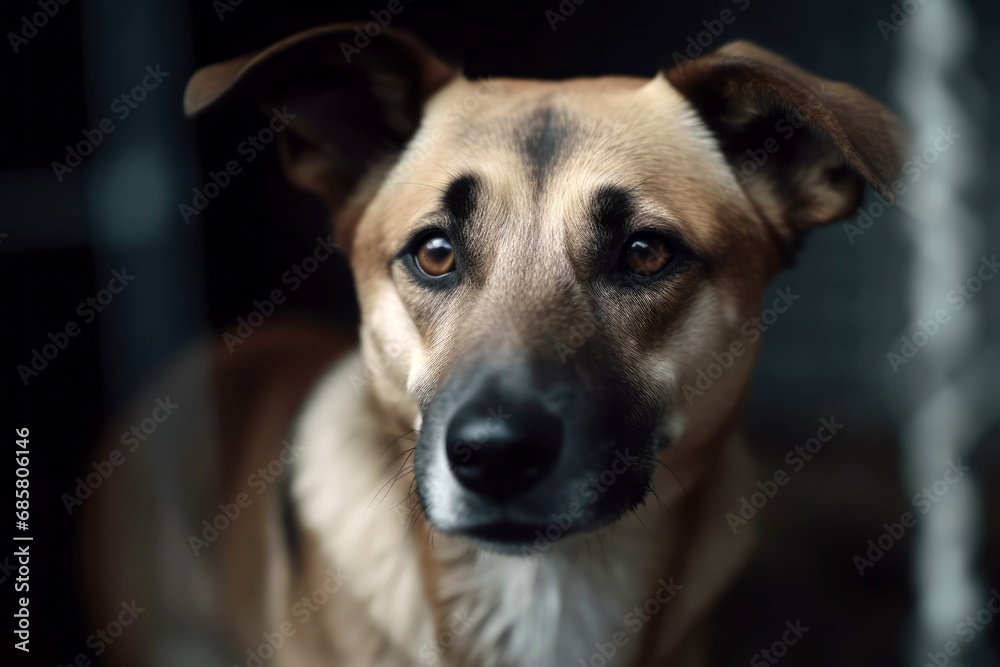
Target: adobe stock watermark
[577, 335]
[31, 24]
[634, 621]
[784, 128]
[967, 629]
[248, 149]
[102, 638]
[589, 492]
[430, 653]
[439, 133]
[577, 338]
[7, 570]
[562, 12]
[59, 341]
[464, 450]
[914, 168]
[899, 17]
[121, 108]
[926, 329]
[294, 277]
[751, 330]
[259, 481]
[924, 500]
[363, 35]
[797, 457]
[699, 43]
[131, 440]
[223, 7]
[779, 649]
[390, 351]
[302, 611]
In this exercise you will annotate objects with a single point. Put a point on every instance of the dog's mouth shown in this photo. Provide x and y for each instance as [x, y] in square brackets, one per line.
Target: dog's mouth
[515, 538]
[509, 533]
[530, 524]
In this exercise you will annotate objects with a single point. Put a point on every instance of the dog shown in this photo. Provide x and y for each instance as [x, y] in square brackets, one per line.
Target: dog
[518, 464]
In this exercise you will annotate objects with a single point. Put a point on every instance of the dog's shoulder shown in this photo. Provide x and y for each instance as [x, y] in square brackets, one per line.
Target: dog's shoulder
[193, 444]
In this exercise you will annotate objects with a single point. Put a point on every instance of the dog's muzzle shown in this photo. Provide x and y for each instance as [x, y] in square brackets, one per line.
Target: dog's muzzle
[506, 446]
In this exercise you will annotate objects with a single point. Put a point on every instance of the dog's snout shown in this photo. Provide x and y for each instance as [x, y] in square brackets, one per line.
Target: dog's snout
[508, 444]
[502, 451]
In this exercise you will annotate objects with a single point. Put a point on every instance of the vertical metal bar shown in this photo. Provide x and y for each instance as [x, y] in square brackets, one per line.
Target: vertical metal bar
[938, 387]
[136, 62]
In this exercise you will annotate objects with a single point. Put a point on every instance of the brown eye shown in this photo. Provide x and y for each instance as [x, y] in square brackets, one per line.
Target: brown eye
[435, 256]
[646, 255]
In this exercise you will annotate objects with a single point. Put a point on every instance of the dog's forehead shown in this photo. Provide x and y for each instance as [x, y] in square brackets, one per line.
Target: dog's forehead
[541, 151]
[609, 125]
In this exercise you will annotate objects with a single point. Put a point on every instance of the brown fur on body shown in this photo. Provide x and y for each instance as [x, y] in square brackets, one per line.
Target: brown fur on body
[534, 171]
[238, 405]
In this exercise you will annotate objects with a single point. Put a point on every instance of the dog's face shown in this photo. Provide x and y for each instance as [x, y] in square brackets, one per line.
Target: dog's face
[543, 268]
[553, 267]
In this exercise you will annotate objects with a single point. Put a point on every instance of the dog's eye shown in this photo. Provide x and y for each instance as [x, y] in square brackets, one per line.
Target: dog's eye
[435, 256]
[646, 254]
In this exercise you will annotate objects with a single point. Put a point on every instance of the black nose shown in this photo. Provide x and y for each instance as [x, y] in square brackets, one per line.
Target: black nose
[503, 450]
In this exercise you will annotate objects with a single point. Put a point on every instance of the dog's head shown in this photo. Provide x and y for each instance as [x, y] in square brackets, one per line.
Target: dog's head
[545, 269]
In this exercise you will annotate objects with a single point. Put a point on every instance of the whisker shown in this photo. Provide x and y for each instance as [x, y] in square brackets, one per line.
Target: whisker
[402, 471]
[643, 523]
[397, 440]
[604, 556]
[405, 451]
[433, 187]
[468, 552]
[660, 500]
[683, 488]
[391, 480]
[446, 170]
[411, 522]
[405, 498]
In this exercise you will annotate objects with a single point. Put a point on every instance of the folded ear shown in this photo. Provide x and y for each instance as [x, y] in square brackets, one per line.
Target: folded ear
[799, 145]
[349, 109]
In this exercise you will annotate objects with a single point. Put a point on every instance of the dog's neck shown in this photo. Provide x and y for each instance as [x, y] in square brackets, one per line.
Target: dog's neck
[441, 601]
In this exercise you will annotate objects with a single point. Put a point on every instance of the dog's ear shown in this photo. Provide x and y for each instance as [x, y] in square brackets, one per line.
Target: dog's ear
[351, 101]
[799, 145]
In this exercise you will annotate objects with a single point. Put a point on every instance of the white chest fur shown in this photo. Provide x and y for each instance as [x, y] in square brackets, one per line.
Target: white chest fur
[555, 609]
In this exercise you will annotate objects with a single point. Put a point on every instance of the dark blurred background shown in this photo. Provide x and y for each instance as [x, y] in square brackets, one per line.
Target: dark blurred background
[935, 62]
